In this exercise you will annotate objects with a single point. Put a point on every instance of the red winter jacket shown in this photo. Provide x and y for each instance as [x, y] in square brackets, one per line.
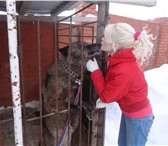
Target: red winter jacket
[124, 83]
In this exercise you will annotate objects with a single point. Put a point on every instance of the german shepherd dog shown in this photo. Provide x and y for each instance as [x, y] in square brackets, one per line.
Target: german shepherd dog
[59, 91]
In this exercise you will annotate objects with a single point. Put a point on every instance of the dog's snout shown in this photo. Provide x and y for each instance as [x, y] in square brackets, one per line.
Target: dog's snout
[93, 50]
[99, 45]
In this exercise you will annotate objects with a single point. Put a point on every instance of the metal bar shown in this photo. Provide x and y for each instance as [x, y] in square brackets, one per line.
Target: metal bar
[90, 23]
[63, 43]
[69, 77]
[101, 129]
[56, 78]
[155, 51]
[80, 114]
[39, 67]
[30, 119]
[90, 99]
[90, 123]
[36, 118]
[22, 82]
[36, 18]
[53, 19]
[93, 35]
[14, 70]
[1, 141]
[77, 36]
[79, 19]
[99, 118]
[77, 26]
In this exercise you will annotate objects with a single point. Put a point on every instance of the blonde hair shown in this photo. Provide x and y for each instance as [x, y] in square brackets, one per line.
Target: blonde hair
[121, 36]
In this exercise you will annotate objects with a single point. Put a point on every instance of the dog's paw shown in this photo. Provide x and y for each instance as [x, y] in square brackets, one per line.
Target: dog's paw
[74, 117]
[90, 110]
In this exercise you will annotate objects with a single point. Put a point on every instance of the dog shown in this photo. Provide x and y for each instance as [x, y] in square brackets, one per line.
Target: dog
[59, 91]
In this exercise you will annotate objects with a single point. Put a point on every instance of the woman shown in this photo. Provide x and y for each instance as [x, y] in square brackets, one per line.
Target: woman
[125, 82]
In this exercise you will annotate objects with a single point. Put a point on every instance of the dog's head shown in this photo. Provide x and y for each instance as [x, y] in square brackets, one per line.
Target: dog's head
[88, 51]
[81, 52]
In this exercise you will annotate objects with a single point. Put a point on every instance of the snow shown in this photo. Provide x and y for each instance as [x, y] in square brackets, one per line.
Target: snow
[157, 79]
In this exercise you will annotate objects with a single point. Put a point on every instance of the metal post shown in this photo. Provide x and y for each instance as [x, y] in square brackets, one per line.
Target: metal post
[98, 123]
[14, 71]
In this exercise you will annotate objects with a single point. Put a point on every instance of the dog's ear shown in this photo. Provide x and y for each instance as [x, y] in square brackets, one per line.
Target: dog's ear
[84, 44]
[64, 51]
[80, 44]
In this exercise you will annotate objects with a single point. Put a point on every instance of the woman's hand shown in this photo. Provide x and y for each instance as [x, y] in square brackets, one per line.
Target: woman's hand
[100, 104]
[92, 65]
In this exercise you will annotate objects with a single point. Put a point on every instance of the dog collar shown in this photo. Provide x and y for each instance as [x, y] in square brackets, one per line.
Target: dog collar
[64, 65]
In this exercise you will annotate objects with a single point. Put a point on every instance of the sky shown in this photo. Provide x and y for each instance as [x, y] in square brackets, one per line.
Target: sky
[157, 80]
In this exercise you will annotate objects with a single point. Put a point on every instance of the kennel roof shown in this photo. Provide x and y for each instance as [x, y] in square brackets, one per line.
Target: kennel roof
[56, 7]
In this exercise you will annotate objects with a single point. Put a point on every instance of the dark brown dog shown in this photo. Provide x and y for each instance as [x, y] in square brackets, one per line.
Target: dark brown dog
[60, 87]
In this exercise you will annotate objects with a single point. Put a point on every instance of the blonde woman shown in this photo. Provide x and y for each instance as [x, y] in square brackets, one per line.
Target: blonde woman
[125, 82]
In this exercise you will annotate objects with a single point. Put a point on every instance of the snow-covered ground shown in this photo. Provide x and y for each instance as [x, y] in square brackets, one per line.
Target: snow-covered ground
[157, 79]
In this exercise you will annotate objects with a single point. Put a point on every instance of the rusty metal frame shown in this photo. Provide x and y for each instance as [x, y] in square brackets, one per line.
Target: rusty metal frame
[97, 131]
[92, 37]
[92, 140]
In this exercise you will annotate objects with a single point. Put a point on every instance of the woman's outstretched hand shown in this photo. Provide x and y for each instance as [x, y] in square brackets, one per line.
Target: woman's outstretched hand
[100, 104]
[92, 65]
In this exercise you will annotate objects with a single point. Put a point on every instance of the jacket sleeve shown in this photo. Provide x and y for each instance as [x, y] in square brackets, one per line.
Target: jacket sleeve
[111, 89]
